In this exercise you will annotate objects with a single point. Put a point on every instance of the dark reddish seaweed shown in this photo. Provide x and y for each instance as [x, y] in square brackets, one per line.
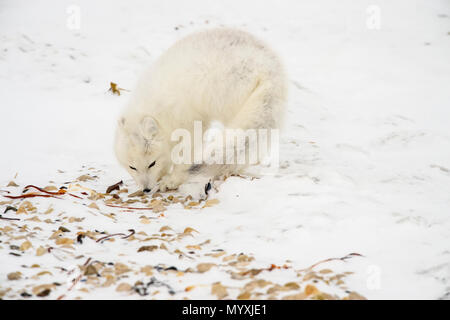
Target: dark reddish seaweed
[47, 194]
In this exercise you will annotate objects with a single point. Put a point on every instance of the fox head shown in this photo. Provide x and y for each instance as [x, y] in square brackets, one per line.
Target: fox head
[139, 147]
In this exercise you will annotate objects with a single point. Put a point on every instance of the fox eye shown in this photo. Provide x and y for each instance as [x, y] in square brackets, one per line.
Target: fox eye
[133, 168]
[152, 164]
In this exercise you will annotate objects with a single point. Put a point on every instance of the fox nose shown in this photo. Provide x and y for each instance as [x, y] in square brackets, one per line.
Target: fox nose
[147, 190]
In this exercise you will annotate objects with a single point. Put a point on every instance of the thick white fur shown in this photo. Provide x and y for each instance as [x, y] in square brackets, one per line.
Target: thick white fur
[223, 75]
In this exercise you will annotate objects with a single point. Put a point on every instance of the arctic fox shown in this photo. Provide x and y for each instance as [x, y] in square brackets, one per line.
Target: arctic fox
[224, 76]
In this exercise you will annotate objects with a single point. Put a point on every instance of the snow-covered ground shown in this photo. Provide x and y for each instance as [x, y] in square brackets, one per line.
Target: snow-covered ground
[365, 155]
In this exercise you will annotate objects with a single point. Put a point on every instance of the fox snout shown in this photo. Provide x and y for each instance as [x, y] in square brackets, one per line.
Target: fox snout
[144, 183]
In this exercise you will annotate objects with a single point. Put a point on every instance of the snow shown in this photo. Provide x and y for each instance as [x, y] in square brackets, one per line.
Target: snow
[365, 152]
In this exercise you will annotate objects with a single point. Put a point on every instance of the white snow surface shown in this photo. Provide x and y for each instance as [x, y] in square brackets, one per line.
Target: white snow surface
[365, 153]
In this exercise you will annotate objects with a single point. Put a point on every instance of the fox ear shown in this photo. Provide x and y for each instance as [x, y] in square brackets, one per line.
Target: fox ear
[149, 127]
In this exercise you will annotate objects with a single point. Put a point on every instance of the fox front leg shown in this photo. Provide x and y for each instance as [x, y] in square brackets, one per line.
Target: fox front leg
[172, 180]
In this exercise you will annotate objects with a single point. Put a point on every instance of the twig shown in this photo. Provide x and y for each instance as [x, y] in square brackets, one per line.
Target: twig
[117, 234]
[10, 208]
[15, 219]
[77, 279]
[350, 255]
[131, 208]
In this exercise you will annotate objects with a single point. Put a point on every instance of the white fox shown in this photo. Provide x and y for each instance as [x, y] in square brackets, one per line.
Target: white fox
[221, 76]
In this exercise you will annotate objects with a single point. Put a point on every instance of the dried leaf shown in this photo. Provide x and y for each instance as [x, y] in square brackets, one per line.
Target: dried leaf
[85, 177]
[12, 184]
[217, 254]
[228, 258]
[219, 290]
[354, 296]
[311, 290]
[44, 293]
[90, 270]
[203, 267]
[189, 230]
[193, 247]
[165, 228]
[110, 280]
[211, 202]
[49, 210]
[309, 276]
[25, 246]
[43, 289]
[292, 286]
[121, 268]
[115, 186]
[145, 221]
[114, 88]
[158, 208]
[138, 193]
[244, 258]
[62, 241]
[34, 218]
[40, 251]
[123, 287]
[325, 271]
[14, 275]
[55, 235]
[93, 205]
[147, 248]
[63, 229]
[260, 283]
[244, 295]
[148, 270]
[275, 289]
[297, 296]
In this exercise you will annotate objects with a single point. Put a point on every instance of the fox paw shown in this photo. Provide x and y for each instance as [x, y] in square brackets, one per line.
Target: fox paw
[169, 183]
[198, 191]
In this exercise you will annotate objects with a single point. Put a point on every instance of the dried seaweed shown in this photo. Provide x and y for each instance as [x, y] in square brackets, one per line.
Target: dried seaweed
[115, 186]
[132, 232]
